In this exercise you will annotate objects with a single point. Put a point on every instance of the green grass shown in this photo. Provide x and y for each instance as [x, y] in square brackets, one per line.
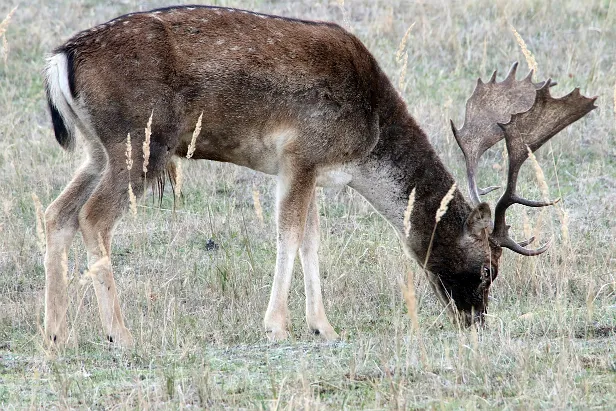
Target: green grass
[196, 313]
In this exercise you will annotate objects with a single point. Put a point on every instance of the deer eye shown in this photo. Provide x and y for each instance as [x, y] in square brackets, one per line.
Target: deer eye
[487, 272]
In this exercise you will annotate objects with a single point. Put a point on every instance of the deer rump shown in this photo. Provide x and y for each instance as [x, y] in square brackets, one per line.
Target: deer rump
[302, 100]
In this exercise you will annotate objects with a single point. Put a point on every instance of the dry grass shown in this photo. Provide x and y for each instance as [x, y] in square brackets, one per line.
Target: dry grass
[530, 59]
[194, 284]
[407, 213]
[146, 145]
[193, 139]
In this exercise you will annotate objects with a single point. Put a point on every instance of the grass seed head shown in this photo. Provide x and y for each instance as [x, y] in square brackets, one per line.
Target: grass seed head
[193, 140]
[3, 27]
[5, 50]
[129, 153]
[146, 144]
[402, 45]
[408, 212]
[132, 199]
[445, 203]
[402, 77]
[5, 23]
[543, 186]
[530, 59]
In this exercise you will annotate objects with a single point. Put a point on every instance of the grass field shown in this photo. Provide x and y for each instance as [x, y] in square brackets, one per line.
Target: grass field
[194, 284]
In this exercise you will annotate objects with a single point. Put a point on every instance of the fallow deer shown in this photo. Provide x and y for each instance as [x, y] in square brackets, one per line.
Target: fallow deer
[302, 100]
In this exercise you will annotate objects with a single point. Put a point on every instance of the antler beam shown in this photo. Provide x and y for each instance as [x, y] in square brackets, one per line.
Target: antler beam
[526, 116]
[491, 103]
[525, 133]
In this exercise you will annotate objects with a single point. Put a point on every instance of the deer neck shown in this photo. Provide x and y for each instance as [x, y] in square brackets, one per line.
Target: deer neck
[404, 159]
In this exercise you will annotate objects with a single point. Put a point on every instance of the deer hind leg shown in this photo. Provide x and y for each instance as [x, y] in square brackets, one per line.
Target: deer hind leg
[308, 253]
[100, 214]
[294, 193]
[61, 221]
[97, 220]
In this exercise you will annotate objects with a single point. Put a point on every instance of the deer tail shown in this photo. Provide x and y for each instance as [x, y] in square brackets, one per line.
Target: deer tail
[60, 90]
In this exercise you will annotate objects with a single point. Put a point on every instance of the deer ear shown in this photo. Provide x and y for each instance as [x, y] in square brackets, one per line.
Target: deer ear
[478, 220]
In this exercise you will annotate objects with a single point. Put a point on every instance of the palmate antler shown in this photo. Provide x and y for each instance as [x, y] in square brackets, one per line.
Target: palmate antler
[526, 116]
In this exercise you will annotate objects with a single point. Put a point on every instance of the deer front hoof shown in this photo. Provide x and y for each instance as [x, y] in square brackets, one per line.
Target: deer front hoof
[55, 340]
[326, 333]
[122, 338]
[276, 335]
[58, 337]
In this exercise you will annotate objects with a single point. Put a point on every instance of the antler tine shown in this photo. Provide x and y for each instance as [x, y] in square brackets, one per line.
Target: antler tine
[519, 248]
[493, 77]
[512, 72]
[490, 104]
[524, 133]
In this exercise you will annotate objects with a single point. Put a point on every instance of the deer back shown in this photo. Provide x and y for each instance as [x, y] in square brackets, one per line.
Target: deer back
[253, 76]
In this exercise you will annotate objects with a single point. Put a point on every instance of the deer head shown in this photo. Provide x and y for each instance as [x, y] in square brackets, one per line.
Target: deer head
[526, 116]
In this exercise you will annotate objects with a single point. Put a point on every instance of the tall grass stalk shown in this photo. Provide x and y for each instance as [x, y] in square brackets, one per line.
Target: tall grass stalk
[193, 140]
[530, 59]
[40, 222]
[437, 218]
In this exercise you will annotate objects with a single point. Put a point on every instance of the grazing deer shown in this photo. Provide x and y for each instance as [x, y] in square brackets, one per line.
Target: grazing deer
[304, 101]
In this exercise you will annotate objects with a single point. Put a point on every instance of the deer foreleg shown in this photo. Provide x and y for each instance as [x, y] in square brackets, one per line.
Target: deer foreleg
[308, 253]
[294, 193]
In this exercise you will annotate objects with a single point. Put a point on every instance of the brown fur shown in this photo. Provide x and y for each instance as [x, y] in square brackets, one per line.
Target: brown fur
[287, 97]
